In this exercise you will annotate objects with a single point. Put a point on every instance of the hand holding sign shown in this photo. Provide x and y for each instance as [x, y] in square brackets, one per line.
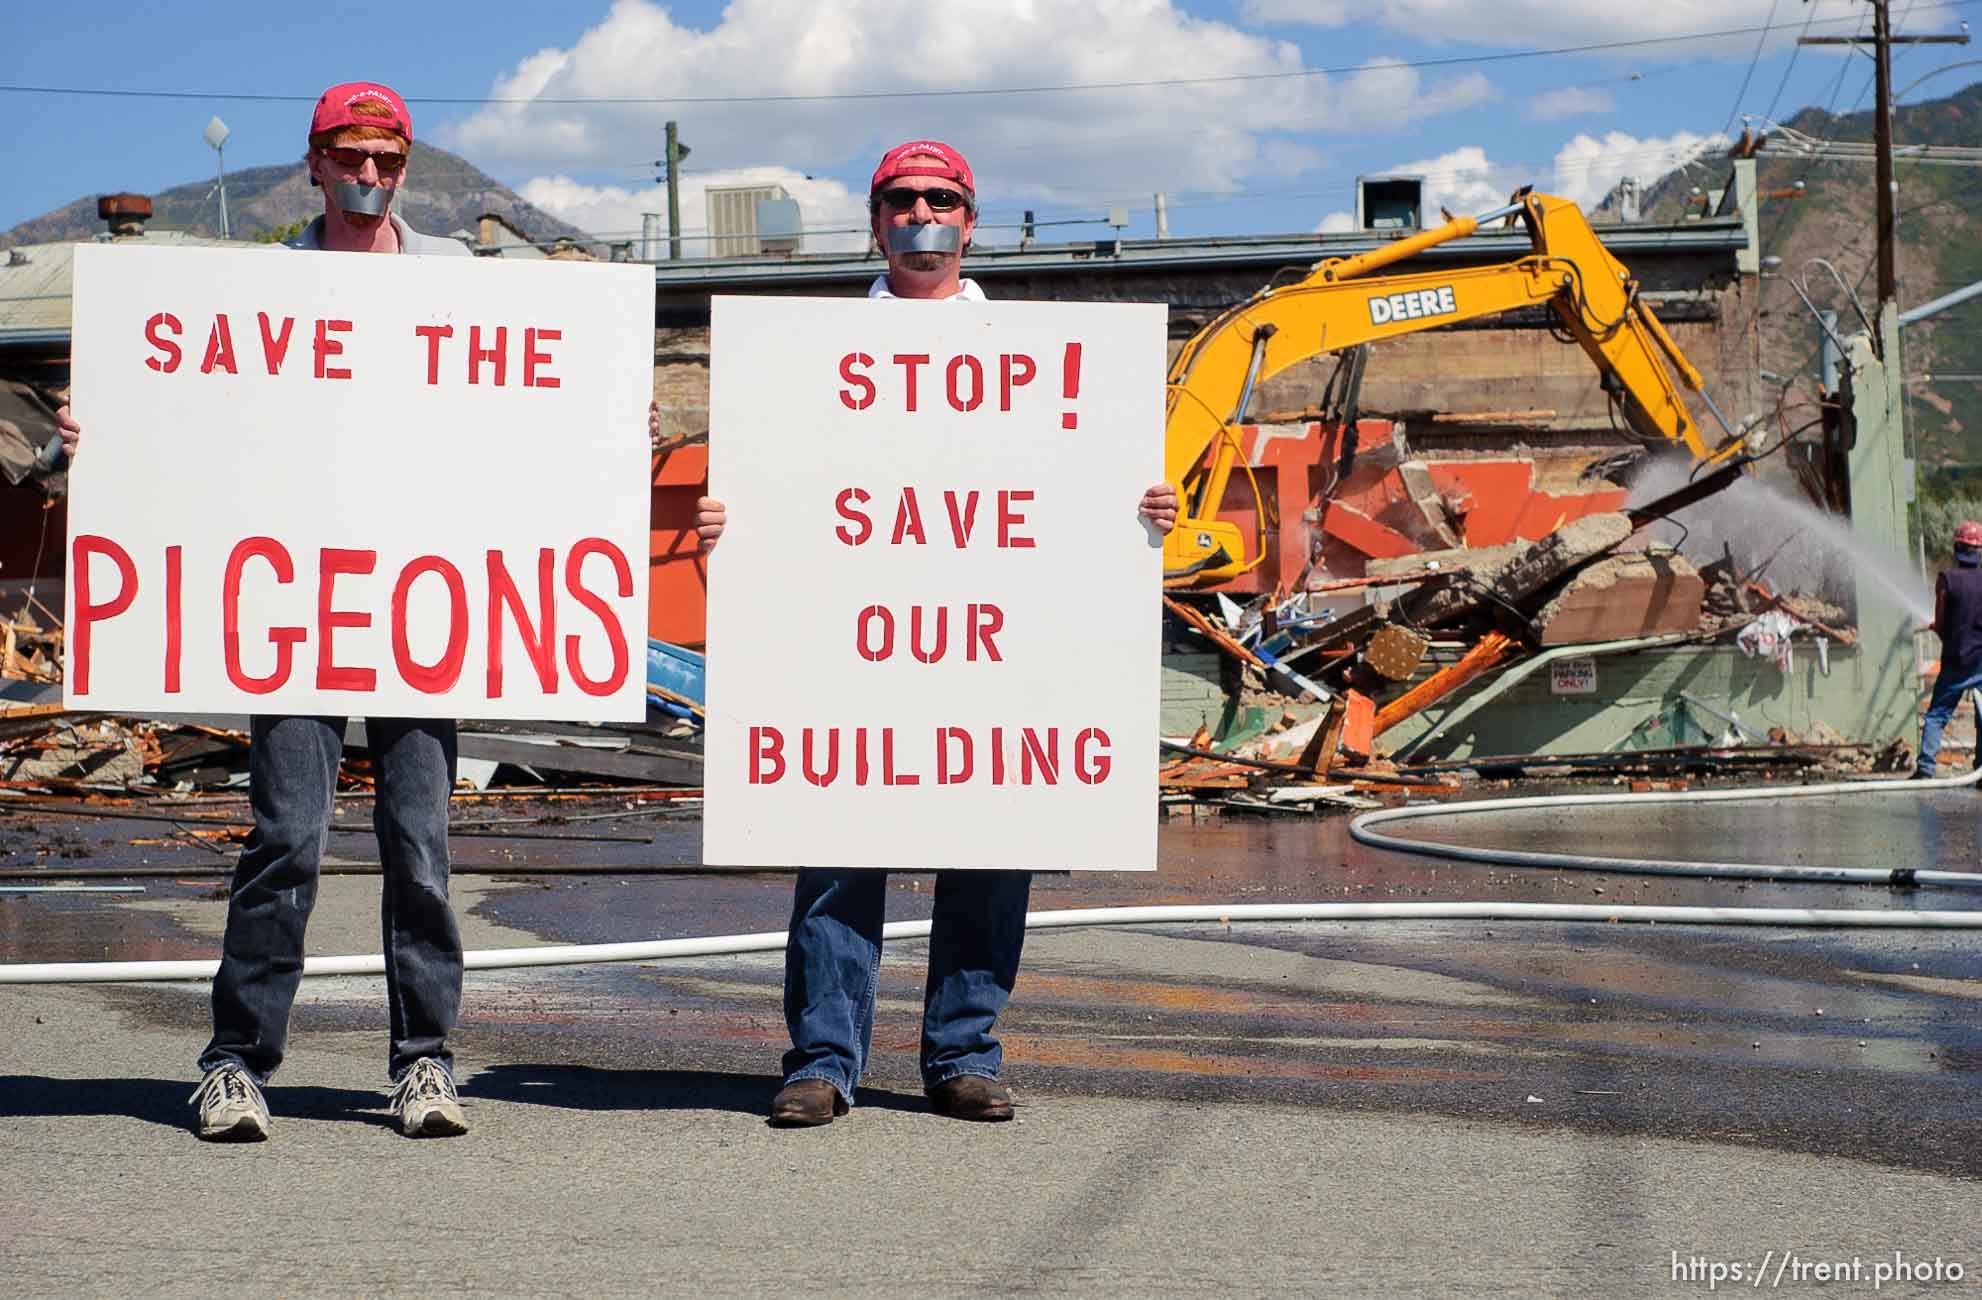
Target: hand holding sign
[322, 485]
[956, 530]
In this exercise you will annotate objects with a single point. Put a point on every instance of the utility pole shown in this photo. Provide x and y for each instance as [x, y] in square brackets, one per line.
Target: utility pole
[1882, 147]
[676, 151]
[1882, 41]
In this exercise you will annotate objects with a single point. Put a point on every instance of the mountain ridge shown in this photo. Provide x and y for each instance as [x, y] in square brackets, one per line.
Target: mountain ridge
[1939, 250]
[443, 193]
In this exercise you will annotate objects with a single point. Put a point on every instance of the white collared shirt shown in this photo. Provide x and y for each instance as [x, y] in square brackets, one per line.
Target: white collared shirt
[967, 291]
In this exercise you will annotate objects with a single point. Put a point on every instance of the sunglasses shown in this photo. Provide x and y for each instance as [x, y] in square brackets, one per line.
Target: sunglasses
[388, 163]
[903, 198]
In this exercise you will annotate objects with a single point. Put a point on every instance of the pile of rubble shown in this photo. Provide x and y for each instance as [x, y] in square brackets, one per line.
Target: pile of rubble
[1340, 673]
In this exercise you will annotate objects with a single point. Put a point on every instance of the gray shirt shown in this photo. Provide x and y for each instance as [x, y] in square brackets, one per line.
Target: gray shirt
[410, 240]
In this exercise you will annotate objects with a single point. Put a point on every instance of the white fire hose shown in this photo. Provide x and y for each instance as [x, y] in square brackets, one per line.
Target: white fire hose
[99, 972]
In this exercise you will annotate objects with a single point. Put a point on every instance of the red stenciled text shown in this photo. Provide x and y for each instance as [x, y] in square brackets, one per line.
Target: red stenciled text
[948, 755]
[528, 598]
[495, 356]
[957, 521]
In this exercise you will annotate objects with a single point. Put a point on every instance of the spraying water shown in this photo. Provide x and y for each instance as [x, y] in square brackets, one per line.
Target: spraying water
[1814, 552]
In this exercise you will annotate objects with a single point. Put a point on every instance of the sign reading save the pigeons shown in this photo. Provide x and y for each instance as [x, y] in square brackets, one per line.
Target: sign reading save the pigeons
[339, 483]
[934, 613]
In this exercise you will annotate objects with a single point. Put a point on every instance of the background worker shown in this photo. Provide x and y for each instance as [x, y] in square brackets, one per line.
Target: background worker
[1958, 621]
[922, 205]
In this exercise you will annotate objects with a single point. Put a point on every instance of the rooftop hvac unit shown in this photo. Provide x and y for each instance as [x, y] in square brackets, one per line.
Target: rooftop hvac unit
[780, 226]
[1390, 202]
[736, 213]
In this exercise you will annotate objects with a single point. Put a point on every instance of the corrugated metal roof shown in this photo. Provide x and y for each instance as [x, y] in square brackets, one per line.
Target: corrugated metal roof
[1722, 235]
[36, 281]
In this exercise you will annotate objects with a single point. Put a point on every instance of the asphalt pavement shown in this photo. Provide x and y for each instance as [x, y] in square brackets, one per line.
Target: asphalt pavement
[1341, 1109]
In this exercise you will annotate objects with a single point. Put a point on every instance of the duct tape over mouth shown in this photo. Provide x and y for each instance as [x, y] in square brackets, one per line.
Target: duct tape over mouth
[927, 237]
[363, 200]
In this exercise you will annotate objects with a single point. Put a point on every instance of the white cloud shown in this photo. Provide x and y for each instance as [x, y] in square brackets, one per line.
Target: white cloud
[1037, 150]
[1569, 101]
[1466, 181]
[835, 218]
[1587, 168]
[1298, 13]
[1463, 181]
[1564, 22]
[1336, 223]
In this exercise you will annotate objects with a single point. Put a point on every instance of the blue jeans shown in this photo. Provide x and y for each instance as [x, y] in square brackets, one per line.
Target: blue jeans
[292, 781]
[833, 963]
[1948, 689]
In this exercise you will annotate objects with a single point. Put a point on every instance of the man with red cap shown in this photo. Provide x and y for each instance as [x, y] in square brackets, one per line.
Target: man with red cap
[360, 135]
[359, 140]
[1958, 620]
[922, 206]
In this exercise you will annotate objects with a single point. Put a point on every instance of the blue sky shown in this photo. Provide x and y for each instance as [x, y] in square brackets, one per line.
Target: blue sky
[1287, 101]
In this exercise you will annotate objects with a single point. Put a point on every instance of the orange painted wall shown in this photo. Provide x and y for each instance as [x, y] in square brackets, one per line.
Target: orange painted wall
[677, 578]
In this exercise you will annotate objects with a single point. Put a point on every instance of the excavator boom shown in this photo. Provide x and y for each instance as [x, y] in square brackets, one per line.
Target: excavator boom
[1344, 302]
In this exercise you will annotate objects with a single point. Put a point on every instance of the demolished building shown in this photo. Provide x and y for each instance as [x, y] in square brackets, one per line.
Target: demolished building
[1472, 445]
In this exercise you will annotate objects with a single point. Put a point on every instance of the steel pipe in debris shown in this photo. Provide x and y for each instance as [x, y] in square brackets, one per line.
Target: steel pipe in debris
[1363, 831]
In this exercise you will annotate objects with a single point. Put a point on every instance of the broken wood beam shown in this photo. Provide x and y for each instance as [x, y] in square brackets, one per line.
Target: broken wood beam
[1390, 580]
[1673, 502]
[1761, 592]
[1287, 768]
[1567, 548]
[1493, 417]
[1358, 727]
[1351, 630]
[1327, 738]
[1217, 635]
[1487, 653]
[663, 693]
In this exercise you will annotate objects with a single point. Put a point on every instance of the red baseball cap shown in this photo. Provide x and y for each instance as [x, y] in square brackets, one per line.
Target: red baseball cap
[894, 163]
[333, 112]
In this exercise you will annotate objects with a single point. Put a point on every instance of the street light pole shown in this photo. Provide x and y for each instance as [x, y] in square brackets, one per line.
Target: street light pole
[216, 135]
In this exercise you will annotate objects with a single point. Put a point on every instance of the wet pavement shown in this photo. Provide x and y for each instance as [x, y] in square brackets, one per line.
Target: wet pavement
[1854, 1049]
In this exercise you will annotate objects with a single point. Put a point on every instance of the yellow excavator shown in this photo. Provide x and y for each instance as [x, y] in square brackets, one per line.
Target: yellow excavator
[1335, 308]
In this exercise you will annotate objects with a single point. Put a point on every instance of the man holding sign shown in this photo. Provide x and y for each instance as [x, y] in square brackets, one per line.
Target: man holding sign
[362, 523]
[360, 135]
[923, 204]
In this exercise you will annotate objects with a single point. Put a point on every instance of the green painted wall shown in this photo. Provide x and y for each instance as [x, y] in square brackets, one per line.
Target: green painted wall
[1868, 693]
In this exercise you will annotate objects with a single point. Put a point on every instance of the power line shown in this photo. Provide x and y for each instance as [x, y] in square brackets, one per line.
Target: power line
[1753, 59]
[1680, 156]
[1790, 67]
[1505, 56]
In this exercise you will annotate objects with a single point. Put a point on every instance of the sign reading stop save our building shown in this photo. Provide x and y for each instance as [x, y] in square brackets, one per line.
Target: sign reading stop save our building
[358, 484]
[934, 614]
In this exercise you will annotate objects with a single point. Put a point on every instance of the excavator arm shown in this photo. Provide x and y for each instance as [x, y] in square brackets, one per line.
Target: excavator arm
[1335, 307]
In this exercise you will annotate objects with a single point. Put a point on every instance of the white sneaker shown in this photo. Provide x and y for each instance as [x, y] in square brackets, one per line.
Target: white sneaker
[231, 1106]
[426, 1101]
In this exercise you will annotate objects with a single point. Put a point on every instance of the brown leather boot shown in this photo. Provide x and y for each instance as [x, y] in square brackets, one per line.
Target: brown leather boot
[806, 1103]
[972, 1097]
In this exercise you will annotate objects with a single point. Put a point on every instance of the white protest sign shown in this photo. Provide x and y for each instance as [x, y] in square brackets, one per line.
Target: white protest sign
[934, 615]
[356, 484]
